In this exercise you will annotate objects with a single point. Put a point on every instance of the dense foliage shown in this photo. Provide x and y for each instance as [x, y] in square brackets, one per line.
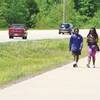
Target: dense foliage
[85, 7]
[18, 11]
[44, 14]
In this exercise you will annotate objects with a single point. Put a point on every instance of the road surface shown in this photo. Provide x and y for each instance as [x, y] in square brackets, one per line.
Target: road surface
[40, 34]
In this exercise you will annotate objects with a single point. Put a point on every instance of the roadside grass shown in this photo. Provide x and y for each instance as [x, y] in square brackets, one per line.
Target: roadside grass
[29, 58]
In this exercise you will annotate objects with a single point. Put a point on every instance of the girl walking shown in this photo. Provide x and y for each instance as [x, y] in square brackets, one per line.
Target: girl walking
[92, 40]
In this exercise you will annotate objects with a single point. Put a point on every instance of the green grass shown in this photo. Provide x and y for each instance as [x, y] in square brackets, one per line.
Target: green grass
[21, 59]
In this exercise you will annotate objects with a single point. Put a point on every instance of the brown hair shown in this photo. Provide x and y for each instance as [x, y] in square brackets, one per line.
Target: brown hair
[95, 33]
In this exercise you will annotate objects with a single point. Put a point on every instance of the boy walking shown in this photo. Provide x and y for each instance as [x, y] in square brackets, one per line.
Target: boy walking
[75, 45]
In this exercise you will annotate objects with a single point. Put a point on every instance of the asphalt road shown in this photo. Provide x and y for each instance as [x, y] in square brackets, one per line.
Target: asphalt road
[33, 35]
[38, 35]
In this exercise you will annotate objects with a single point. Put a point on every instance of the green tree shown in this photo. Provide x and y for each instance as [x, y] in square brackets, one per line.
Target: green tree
[77, 4]
[86, 7]
[19, 11]
[33, 9]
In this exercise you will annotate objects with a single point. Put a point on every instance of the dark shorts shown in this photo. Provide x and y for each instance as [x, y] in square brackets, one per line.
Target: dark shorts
[76, 52]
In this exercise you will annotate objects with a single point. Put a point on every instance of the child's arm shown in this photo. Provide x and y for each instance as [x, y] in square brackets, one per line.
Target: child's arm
[81, 45]
[70, 44]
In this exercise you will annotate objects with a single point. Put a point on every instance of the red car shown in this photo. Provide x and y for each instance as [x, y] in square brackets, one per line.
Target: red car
[17, 30]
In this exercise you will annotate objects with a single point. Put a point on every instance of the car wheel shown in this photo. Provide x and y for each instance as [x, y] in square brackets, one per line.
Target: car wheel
[25, 37]
[62, 33]
[69, 33]
[10, 37]
[59, 32]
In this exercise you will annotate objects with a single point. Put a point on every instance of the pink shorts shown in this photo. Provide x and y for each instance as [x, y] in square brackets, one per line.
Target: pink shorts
[92, 51]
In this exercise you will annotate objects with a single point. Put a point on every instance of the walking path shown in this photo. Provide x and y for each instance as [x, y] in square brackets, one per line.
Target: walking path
[64, 83]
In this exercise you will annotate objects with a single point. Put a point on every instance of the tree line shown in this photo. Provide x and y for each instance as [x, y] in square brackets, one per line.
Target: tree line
[46, 13]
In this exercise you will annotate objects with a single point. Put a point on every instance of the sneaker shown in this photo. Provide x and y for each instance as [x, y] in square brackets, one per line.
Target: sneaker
[75, 65]
[88, 65]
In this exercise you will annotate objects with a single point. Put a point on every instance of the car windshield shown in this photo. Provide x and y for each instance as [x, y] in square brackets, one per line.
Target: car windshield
[65, 25]
[18, 26]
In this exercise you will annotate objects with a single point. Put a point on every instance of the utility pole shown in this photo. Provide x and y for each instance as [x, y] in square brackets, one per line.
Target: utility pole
[64, 11]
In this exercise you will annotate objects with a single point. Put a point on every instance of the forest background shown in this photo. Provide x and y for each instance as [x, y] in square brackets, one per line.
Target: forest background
[48, 14]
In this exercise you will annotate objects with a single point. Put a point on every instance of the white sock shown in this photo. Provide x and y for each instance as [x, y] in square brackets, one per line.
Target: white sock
[74, 62]
[93, 66]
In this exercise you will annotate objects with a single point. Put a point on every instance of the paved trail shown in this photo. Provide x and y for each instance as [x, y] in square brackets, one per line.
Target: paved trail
[65, 83]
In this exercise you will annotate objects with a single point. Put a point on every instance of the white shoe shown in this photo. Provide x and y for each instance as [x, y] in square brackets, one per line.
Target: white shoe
[93, 66]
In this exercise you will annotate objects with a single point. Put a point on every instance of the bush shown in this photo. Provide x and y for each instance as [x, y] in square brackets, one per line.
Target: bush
[50, 19]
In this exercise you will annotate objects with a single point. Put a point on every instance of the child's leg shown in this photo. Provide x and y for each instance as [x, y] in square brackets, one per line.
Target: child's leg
[74, 63]
[93, 57]
[74, 57]
[89, 59]
[77, 58]
[89, 56]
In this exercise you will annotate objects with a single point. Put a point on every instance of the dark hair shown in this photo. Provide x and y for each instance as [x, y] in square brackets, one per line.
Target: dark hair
[76, 29]
[94, 31]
